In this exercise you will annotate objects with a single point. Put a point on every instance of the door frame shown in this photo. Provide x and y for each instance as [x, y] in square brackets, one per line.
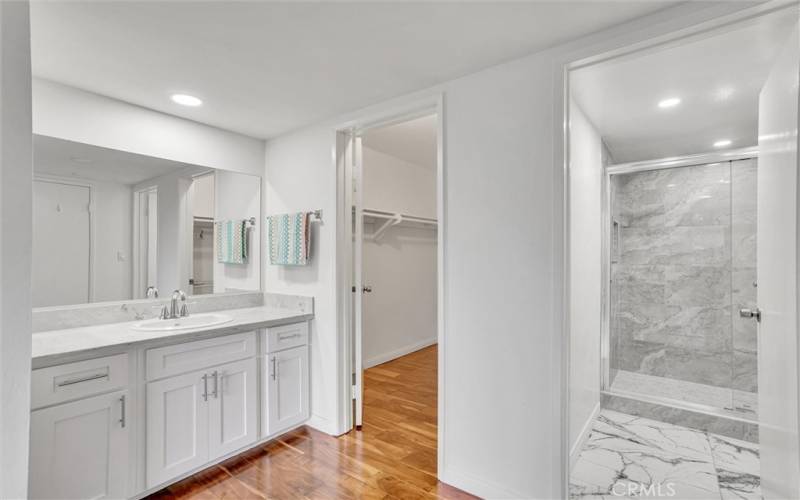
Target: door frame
[587, 52]
[430, 104]
[138, 231]
[55, 179]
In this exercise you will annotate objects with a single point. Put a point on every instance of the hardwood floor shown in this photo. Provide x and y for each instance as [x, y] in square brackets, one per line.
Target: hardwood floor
[392, 457]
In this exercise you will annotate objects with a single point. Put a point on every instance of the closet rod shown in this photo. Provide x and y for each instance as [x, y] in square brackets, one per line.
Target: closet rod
[389, 215]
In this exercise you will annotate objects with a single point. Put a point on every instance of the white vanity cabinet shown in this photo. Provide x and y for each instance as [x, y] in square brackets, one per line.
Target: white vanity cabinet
[196, 417]
[285, 378]
[125, 425]
[80, 446]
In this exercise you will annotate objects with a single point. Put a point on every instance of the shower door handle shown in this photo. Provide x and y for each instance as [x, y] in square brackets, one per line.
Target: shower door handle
[751, 313]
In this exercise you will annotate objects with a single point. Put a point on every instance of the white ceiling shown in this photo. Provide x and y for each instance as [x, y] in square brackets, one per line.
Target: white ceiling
[264, 68]
[718, 79]
[413, 141]
[83, 161]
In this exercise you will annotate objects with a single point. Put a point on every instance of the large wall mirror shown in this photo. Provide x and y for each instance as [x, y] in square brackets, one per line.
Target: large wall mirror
[110, 225]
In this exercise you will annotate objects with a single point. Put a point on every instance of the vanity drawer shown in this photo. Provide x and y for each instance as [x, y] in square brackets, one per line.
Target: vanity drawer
[56, 384]
[284, 337]
[190, 356]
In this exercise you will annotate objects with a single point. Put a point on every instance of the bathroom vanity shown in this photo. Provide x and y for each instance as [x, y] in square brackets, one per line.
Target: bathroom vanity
[120, 410]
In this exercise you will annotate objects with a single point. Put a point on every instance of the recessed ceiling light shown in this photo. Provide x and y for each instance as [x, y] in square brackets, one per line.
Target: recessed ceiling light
[669, 103]
[186, 100]
[722, 143]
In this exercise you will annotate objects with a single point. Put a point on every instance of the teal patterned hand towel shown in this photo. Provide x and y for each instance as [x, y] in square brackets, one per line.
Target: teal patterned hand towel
[231, 240]
[288, 239]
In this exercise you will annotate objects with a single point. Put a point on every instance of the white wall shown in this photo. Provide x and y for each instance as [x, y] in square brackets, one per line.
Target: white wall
[585, 211]
[112, 216]
[394, 185]
[778, 252]
[113, 221]
[76, 115]
[499, 243]
[504, 364]
[16, 192]
[238, 196]
[300, 175]
[399, 316]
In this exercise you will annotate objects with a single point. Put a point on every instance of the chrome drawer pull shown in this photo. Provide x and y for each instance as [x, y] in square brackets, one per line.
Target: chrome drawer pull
[285, 337]
[97, 376]
[122, 410]
[274, 373]
[216, 384]
[205, 387]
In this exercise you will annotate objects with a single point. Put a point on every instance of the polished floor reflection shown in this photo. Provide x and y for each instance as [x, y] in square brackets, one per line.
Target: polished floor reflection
[393, 457]
[632, 457]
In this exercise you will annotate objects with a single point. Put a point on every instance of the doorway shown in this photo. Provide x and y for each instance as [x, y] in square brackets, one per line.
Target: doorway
[145, 243]
[675, 158]
[203, 203]
[391, 261]
[62, 243]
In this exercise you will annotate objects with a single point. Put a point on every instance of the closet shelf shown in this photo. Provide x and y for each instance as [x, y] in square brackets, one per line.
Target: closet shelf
[393, 219]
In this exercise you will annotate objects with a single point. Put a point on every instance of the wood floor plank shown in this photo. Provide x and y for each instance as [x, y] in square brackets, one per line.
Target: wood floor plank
[393, 457]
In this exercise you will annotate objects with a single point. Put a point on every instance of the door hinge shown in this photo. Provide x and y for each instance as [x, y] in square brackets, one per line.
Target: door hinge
[353, 392]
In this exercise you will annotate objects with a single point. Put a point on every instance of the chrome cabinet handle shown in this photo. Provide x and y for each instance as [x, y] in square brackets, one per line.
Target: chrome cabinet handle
[751, 313]
[205, 387]
[216, 384]
[367, 289]
[274, 373]
[97, 376]
[285, 337]
[122, 411]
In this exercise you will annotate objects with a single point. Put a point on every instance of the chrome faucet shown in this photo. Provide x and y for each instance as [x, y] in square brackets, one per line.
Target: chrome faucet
[152, 292]
[172, 312]
[173, 305]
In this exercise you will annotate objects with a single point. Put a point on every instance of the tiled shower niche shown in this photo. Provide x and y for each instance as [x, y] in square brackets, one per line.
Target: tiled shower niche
[683, 262]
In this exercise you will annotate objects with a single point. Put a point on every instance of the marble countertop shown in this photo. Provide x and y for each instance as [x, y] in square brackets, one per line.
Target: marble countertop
[53, 345]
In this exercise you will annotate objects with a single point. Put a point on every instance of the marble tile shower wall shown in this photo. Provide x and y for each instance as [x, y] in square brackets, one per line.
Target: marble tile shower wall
[686, 262]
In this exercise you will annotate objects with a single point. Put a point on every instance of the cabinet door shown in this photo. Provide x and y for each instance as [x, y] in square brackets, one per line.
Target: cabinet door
[287, 389]
[177, 426]
[233, 397]
[81, 449]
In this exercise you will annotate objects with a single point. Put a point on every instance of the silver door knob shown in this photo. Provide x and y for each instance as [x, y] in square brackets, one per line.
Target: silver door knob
[750, 313]
[367, 289]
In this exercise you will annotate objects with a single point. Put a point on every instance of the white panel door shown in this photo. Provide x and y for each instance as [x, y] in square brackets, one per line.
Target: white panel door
[80, 450]
[287, 389]
[233, 400]
[61, 247]
[177, 426]
[777, 276]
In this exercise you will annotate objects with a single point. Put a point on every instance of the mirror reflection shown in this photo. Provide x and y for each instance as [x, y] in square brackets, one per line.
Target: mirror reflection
[110, 225]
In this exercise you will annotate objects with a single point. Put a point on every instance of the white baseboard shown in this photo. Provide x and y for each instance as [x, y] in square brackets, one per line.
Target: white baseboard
[322, 424]
[477, 486]
[577, 446]
[388, 356]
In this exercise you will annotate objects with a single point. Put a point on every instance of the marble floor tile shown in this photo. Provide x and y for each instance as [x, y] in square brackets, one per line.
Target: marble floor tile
[738, 467]
[625, 450]
[637, 434]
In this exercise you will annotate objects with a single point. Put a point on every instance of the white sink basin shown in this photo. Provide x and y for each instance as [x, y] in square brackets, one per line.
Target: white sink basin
[187, 323]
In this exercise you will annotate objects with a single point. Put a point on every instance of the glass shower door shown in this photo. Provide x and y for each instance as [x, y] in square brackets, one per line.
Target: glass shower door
[744, 374]
[681, 264]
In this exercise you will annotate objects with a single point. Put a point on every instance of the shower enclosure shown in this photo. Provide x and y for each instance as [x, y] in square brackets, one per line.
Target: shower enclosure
[680, 255]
